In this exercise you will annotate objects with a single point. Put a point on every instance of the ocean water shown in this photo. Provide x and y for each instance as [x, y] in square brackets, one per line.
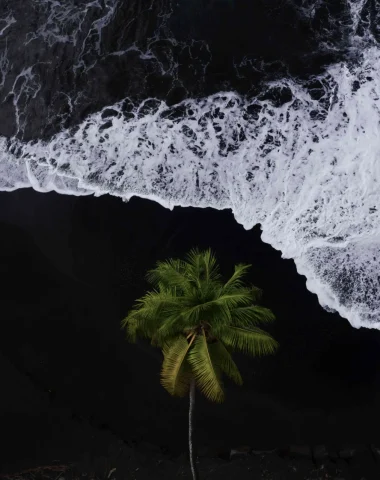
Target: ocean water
[269, 108]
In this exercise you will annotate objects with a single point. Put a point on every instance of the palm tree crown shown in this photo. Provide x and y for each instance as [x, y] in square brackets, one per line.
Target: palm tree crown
[198, 320]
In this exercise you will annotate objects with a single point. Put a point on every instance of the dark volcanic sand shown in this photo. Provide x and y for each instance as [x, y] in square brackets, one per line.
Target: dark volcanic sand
[72, 267]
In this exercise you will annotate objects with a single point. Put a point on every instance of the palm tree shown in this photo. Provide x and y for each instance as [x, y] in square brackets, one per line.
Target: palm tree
[198, 320]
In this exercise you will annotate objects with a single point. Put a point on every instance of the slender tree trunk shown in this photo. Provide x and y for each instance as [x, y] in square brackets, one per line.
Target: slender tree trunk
[193, 465]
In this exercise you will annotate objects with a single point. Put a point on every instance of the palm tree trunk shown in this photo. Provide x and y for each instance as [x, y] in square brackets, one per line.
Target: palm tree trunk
[193, 465]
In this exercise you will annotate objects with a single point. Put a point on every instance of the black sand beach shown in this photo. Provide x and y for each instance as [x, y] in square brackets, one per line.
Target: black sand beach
[71, 269]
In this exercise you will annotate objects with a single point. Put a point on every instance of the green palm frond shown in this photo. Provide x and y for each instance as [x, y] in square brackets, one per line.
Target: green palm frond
[235, 298]
[170, 273]
[175, 374]
[217, 312]
[255, 342]
[202, 265]
[206, 374]
[218, 317]
[251, 316]
[211, 269]
[221, 356]
[170, 328]
[191, 313]
[195, 314]
[146, 316]
[139, 324]
[236, 280]
[130, 324]
[193, 267]
[257, 294]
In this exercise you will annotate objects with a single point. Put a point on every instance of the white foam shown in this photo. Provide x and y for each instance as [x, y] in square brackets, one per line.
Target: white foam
[310, 179]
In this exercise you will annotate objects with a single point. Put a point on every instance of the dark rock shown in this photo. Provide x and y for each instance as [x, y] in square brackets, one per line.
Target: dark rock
[300, 468]
[330, 470]
[300, 451]
[243, 469]
[364, 465]
[263, 452]
[348, 452]
[241, 451]
[274, 467]
[320, 453]
[344, 469]
[333, 454]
